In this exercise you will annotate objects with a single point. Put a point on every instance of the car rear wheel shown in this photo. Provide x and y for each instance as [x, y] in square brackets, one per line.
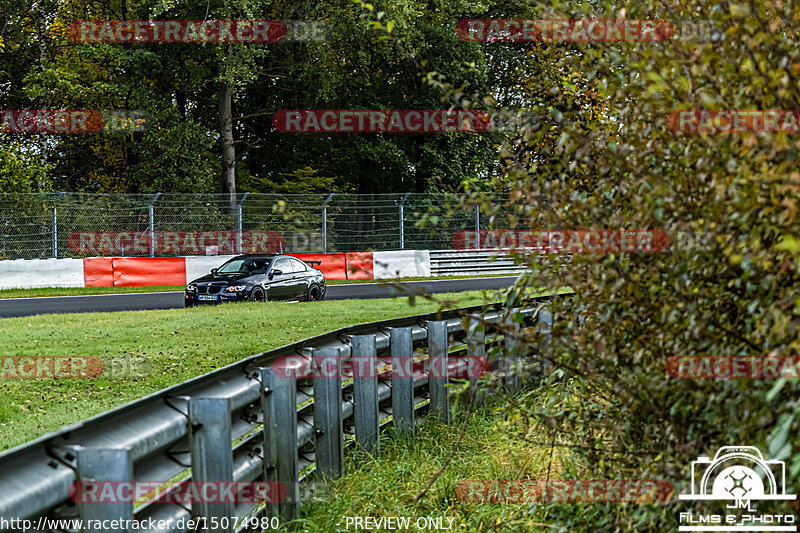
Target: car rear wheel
[258, 295]
[314, 293]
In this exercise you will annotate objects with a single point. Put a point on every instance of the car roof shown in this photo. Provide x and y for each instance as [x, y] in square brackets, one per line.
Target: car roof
[255, 256]
[263, 256]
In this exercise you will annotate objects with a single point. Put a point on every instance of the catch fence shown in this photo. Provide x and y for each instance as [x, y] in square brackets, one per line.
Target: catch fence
[87, 225]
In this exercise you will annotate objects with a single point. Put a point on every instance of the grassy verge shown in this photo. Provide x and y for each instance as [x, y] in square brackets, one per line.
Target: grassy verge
[372, 488]
[85, 291]
[175, 345]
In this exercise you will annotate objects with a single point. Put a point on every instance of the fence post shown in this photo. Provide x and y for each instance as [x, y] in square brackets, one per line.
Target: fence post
[579, 315]
[477, 220]
[476, 348]
[363, 352]
[55, 225]
[104, 465]
[212, 456]
[512, 361]
[402, 219]
[402, 349]
[151, 224]
[239, 222]
[328, 428]
[281, 437]
[438, 371]
[545, 326]
[325, 223]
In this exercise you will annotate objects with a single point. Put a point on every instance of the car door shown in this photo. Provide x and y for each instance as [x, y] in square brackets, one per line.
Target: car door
[260, 273]
[279, 285]
[299, 284]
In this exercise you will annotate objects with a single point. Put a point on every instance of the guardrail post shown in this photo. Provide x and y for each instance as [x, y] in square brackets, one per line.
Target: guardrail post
[212, 456]
[363, 352]
[476, 348]
[268, 436]
[328, 428]
[438, 375]
[402, 350]
[512, 360]
[104, 465]
[545, 326]
[281, 437]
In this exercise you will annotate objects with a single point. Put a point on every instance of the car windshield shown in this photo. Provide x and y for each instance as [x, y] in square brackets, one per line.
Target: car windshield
[244, 265]
[237, 265]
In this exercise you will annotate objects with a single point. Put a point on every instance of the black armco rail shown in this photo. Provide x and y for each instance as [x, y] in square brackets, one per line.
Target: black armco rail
[154, 432]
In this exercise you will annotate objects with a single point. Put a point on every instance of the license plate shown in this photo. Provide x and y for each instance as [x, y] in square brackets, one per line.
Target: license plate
[206, 297]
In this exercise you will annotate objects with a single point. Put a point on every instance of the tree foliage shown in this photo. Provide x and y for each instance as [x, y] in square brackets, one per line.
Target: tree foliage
[733, 293]
[180, 86]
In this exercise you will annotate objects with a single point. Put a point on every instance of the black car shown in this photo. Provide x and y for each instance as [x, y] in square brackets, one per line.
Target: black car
[257, 278]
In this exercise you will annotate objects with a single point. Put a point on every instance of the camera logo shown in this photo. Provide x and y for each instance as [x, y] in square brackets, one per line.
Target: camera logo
[740, 474]
[737, 474]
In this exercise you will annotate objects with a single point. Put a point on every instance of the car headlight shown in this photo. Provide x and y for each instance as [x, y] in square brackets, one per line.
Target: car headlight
[190, 288]
[236, 288]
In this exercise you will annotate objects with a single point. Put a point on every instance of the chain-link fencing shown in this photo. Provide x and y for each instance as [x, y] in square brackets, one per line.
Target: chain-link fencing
[85, 225]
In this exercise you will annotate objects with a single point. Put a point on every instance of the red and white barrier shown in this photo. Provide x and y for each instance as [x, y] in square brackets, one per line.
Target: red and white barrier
[333, 266]
[197, 266]
[155, 271]
[402, 264]
[37, 273]
[134, 271]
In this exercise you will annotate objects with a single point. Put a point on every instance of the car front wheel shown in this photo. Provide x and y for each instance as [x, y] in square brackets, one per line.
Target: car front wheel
[258, 295]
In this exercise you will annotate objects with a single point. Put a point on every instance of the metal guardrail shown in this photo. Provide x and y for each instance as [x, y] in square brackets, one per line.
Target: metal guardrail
[245, 423]
[450, 263]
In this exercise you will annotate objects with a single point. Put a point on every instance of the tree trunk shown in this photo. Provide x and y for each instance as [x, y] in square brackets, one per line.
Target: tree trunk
[41, 31]
[228, 150]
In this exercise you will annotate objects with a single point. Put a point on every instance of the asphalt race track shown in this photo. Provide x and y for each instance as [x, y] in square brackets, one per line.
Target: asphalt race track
[11, 307]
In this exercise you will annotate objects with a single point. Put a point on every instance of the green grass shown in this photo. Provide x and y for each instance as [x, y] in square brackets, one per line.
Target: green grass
[175, 345]
[83, 291]
[387, 487]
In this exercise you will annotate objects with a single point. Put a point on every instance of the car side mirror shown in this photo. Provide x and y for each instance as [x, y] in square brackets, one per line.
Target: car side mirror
[275, 273]
[214, 270]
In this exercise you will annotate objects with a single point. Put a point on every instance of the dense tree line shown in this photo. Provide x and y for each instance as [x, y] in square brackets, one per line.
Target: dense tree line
[211, 105]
